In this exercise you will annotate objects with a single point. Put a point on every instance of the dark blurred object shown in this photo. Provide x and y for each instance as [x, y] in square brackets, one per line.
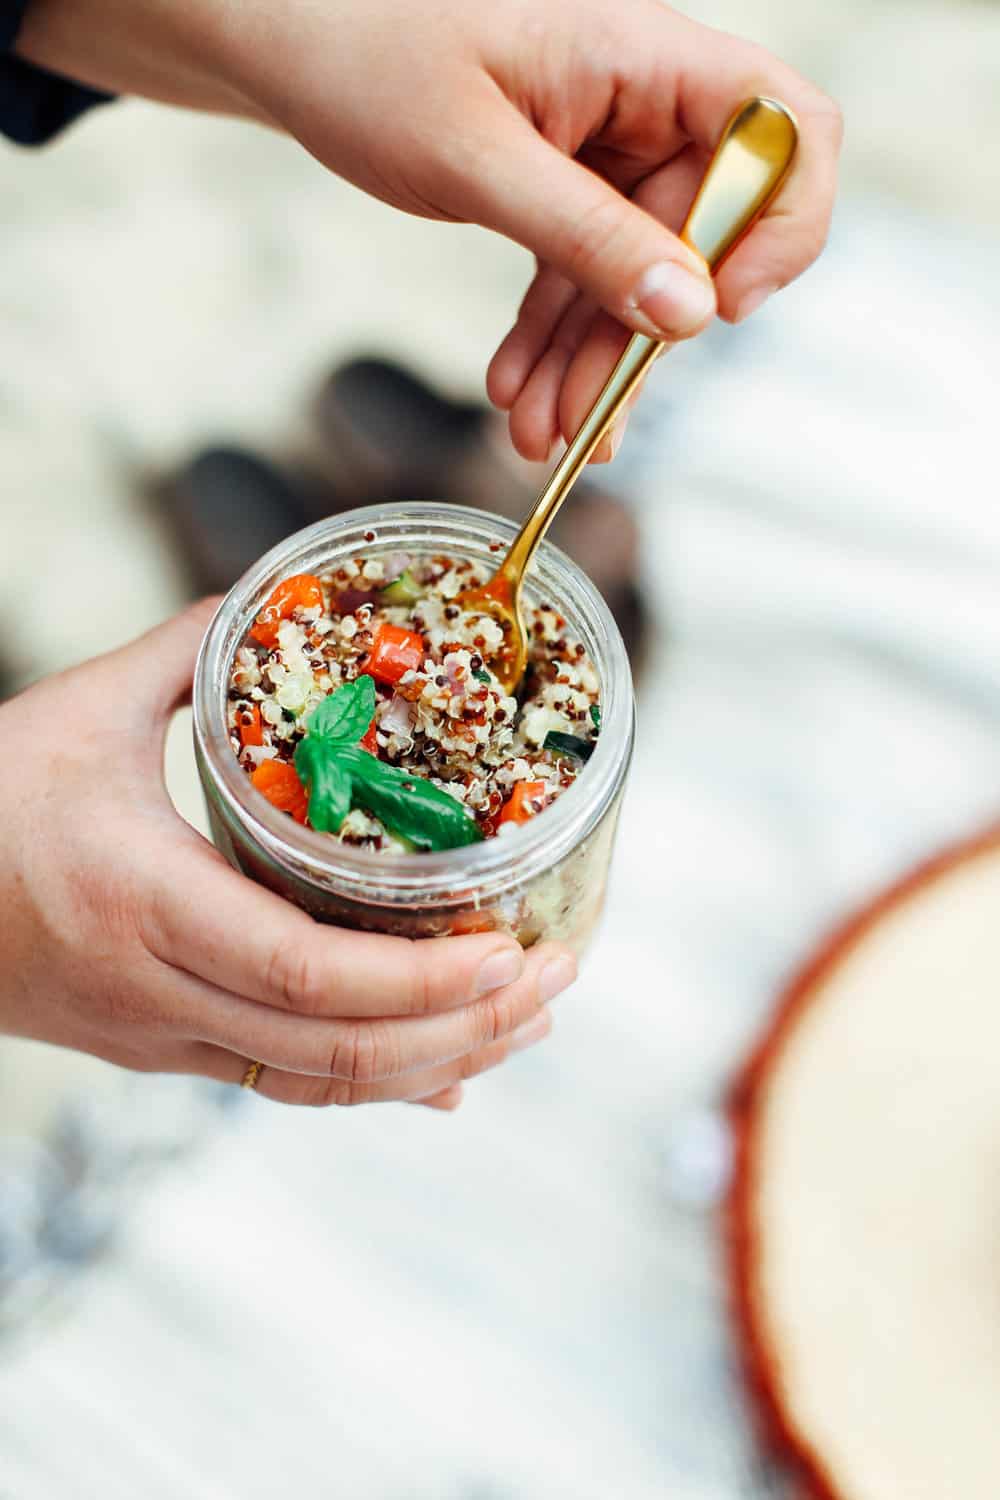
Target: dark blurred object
[225, 509]
[388, 436]
[385, 435]
[34, 103]
[377, 432]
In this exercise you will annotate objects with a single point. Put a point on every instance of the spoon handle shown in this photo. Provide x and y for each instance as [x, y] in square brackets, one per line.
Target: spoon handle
[748, 167]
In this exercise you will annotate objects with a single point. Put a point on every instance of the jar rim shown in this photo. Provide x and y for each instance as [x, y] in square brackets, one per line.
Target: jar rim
[410, 876]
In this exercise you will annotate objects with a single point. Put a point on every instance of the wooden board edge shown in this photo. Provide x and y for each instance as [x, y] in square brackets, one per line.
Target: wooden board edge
[774, 1422]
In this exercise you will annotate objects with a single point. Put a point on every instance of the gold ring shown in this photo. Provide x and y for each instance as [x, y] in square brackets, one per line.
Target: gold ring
[252, 1075]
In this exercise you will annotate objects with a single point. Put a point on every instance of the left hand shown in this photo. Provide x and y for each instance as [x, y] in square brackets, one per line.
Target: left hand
[127, 935]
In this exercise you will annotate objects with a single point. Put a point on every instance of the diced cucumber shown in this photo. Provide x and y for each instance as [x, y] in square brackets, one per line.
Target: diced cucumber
[568, 744]
[402, 590]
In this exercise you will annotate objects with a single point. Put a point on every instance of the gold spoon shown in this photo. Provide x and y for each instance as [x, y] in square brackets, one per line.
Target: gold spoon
[746, 171]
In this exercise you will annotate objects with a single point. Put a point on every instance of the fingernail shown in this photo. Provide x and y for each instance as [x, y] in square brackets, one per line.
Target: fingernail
[617, 434]
[750, 303]
[530, 1032]
[672, 299]
[500, 969]
[608, 447]
[556, 977]
[450, 1099]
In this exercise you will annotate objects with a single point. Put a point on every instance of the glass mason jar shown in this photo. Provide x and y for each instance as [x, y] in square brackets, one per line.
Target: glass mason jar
[546, 879]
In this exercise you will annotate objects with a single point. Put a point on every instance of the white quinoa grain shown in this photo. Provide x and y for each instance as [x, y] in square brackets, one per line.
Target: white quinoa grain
[450, 721]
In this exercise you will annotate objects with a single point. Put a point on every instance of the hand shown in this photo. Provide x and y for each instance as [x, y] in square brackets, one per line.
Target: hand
[127, 935]
[578, 128]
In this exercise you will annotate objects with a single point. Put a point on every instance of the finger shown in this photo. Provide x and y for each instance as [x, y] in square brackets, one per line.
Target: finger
[201, 1060]
[225, 929]
[584, 228]
[448, 1099]
[158, 667]
[588, 370]
[533, 421]
[715, 73]
[534, 418]
[562, 388]
[537, 407]
[439, 1087]
[540, 408]
[607, 448]
[546, 301]
[667, 194]
[369, 1050]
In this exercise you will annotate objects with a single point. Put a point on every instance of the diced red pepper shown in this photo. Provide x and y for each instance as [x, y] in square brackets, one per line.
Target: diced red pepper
[395, 651]
[276, 780]
[368, 740]
[517, 808]
[249, 725]
[301, 591]
[464, 922]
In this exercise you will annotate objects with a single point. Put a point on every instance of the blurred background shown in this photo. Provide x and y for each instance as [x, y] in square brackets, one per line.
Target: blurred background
[522, 1302]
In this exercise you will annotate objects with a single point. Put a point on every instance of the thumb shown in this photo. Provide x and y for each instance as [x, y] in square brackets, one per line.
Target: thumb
[611, 249]
[153, 674]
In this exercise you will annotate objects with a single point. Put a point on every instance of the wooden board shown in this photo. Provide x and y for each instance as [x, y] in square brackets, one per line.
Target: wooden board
[864, 1214]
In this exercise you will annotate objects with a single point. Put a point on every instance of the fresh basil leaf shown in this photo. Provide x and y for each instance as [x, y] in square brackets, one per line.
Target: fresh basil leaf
[410, 806]
[568, 744]
[483, 677]
[338, 775]
[327, 780]
[344, 714]
[595, 714]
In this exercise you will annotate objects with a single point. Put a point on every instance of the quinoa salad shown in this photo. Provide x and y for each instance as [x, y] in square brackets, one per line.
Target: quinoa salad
[361, 703]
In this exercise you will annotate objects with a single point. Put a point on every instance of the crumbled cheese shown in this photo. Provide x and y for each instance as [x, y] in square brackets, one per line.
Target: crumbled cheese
[450, 584]
[538, 720]
[359, 825]
[294, 692]
[246, 671]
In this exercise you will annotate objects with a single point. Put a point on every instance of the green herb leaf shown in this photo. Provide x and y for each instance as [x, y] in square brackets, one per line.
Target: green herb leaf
[483, 677]
[328, 782]
[339, 775]
[595, 714]
[568, 744]
[345, 714]
[409, 805]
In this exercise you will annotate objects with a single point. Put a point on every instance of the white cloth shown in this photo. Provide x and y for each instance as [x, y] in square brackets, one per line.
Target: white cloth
[521, 1303]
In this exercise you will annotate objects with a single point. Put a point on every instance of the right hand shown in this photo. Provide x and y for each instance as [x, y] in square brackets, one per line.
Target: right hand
[580, 129]
[127, 935]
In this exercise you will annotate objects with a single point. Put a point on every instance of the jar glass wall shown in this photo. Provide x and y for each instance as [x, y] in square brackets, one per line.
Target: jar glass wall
[544, 880]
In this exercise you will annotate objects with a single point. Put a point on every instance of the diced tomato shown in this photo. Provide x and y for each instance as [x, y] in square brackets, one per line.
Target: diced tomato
[301, 591]
[464, 922]
[368, 740]
[248, 723]
[517, 808]
[276, 780]
[394, 652]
